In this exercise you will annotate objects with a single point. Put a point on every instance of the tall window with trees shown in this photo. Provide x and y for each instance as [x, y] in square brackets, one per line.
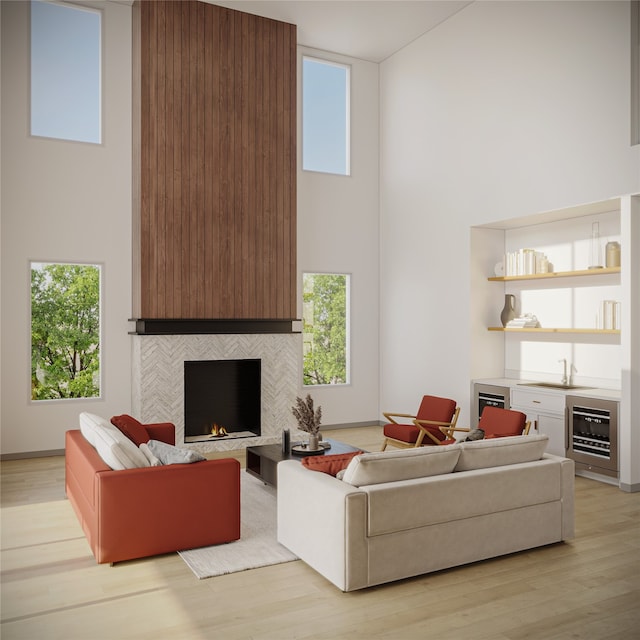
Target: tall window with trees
[326, 328]
[65, 331]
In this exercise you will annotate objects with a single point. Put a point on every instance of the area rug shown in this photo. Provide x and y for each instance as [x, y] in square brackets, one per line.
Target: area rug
[257, 546]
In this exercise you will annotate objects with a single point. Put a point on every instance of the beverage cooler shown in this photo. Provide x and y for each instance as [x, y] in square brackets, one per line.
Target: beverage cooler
[593, 434]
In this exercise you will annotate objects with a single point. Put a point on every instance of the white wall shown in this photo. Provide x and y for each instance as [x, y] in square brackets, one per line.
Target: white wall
[64, 201]
[338, 233]
[506, 109]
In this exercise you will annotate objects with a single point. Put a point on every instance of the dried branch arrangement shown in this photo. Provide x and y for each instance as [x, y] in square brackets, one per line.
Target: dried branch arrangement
[303, 412]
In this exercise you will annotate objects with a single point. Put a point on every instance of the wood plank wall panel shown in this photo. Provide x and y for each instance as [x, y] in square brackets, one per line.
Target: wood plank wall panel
[215, 206]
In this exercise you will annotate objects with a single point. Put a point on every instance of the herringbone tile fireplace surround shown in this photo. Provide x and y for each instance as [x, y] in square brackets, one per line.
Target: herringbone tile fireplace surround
[158, 379]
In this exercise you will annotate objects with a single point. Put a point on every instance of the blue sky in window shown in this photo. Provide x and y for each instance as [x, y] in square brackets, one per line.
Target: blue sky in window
[65, 72]
[325, 105]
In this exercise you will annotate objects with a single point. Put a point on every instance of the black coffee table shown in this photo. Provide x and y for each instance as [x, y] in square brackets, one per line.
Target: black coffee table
[262, 461]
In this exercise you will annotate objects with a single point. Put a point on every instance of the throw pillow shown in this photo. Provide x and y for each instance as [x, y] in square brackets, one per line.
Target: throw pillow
[132, 428]
[168, 454]
[89, 423]
[475, 434]
[331, 464]
[153, 461]
[118, 451]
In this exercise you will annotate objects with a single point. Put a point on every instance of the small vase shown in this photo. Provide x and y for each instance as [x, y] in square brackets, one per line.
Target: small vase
[313, 442]
[509, 310]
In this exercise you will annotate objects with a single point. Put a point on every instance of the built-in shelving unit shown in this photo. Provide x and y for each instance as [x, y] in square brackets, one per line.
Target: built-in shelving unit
[553, 276]
[566, 301]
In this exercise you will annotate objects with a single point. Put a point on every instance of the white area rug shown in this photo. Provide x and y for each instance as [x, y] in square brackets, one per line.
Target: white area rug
[257, 546]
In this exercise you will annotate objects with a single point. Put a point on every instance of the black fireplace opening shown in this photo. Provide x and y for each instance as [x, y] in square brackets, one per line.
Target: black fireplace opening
[222, 399]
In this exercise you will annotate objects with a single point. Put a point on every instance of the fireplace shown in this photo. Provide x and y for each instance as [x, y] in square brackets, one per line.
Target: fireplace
[222, 399]
[158, 380]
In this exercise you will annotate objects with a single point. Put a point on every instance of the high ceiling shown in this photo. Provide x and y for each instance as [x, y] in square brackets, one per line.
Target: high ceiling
[364, 29]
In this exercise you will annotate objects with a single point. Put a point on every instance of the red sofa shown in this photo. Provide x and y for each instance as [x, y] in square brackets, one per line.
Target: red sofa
[134, 513]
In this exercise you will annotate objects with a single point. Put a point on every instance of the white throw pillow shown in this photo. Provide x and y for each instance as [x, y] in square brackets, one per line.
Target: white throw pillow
[497, 452]
[89, 424]
[402, 464]
[112, 445]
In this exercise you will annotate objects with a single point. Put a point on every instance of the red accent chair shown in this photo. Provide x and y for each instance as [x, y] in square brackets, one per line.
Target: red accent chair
[134, 513]
[496, 423]
[435, 417]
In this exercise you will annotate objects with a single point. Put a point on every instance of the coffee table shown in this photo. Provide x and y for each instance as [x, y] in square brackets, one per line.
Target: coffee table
[262, 461]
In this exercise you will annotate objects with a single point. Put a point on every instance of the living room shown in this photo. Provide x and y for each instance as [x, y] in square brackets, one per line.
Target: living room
[479, 120]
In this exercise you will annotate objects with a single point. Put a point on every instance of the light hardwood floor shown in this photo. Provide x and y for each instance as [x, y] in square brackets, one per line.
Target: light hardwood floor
[52, 588]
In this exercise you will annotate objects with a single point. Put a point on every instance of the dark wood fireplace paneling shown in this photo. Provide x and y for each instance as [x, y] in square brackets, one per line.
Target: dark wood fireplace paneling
[214, 163]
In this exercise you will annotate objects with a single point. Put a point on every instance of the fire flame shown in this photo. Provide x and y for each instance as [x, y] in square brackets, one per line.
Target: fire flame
[218, 430]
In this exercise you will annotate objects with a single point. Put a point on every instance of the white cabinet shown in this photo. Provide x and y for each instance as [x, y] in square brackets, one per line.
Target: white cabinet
[547, 412]
[555, 428]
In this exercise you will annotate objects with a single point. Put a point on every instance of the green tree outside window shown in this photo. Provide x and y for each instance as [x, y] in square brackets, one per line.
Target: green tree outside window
[65, 331]
[325, 328]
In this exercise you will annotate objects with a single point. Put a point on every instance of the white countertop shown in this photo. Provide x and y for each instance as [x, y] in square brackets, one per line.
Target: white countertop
[600, 393]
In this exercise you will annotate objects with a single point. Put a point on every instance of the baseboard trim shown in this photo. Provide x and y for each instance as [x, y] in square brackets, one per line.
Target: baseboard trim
[351, 425]
[31, 454]
[630, 488]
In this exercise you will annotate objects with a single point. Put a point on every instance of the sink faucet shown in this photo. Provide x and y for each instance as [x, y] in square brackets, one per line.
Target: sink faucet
[567, 379]
[572, 370]
[564, 380]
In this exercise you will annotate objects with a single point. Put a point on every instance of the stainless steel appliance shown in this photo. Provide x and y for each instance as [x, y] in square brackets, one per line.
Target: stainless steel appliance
[593, 434]
[489, 395]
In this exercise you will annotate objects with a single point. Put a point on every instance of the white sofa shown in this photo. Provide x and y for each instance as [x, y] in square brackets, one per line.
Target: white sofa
[402, 513]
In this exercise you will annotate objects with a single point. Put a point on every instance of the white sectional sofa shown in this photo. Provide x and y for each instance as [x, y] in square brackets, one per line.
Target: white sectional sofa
[402, 513]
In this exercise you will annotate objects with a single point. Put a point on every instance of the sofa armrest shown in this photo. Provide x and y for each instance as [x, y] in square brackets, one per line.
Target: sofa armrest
[323, 521]
[567, 489]
[163, 431]
[155, 510]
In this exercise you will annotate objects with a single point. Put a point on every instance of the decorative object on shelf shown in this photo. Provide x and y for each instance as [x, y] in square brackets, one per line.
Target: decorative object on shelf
[612, 251]
[594, 256]
[499, 269]
[509, 309]
[609, 316]
[525, 262]
[308, 420]
[528, 321]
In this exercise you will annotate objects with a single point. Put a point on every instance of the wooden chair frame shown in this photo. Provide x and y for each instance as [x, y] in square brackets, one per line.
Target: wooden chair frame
[419, 423]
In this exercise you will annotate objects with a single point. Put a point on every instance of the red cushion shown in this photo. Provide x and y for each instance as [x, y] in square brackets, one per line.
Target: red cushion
[131, 428]
[329, 464]
[403, 432]
[498, 422]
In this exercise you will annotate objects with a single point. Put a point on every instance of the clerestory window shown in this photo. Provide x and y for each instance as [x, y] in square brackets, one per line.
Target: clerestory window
[65, 72]
[325, 116]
